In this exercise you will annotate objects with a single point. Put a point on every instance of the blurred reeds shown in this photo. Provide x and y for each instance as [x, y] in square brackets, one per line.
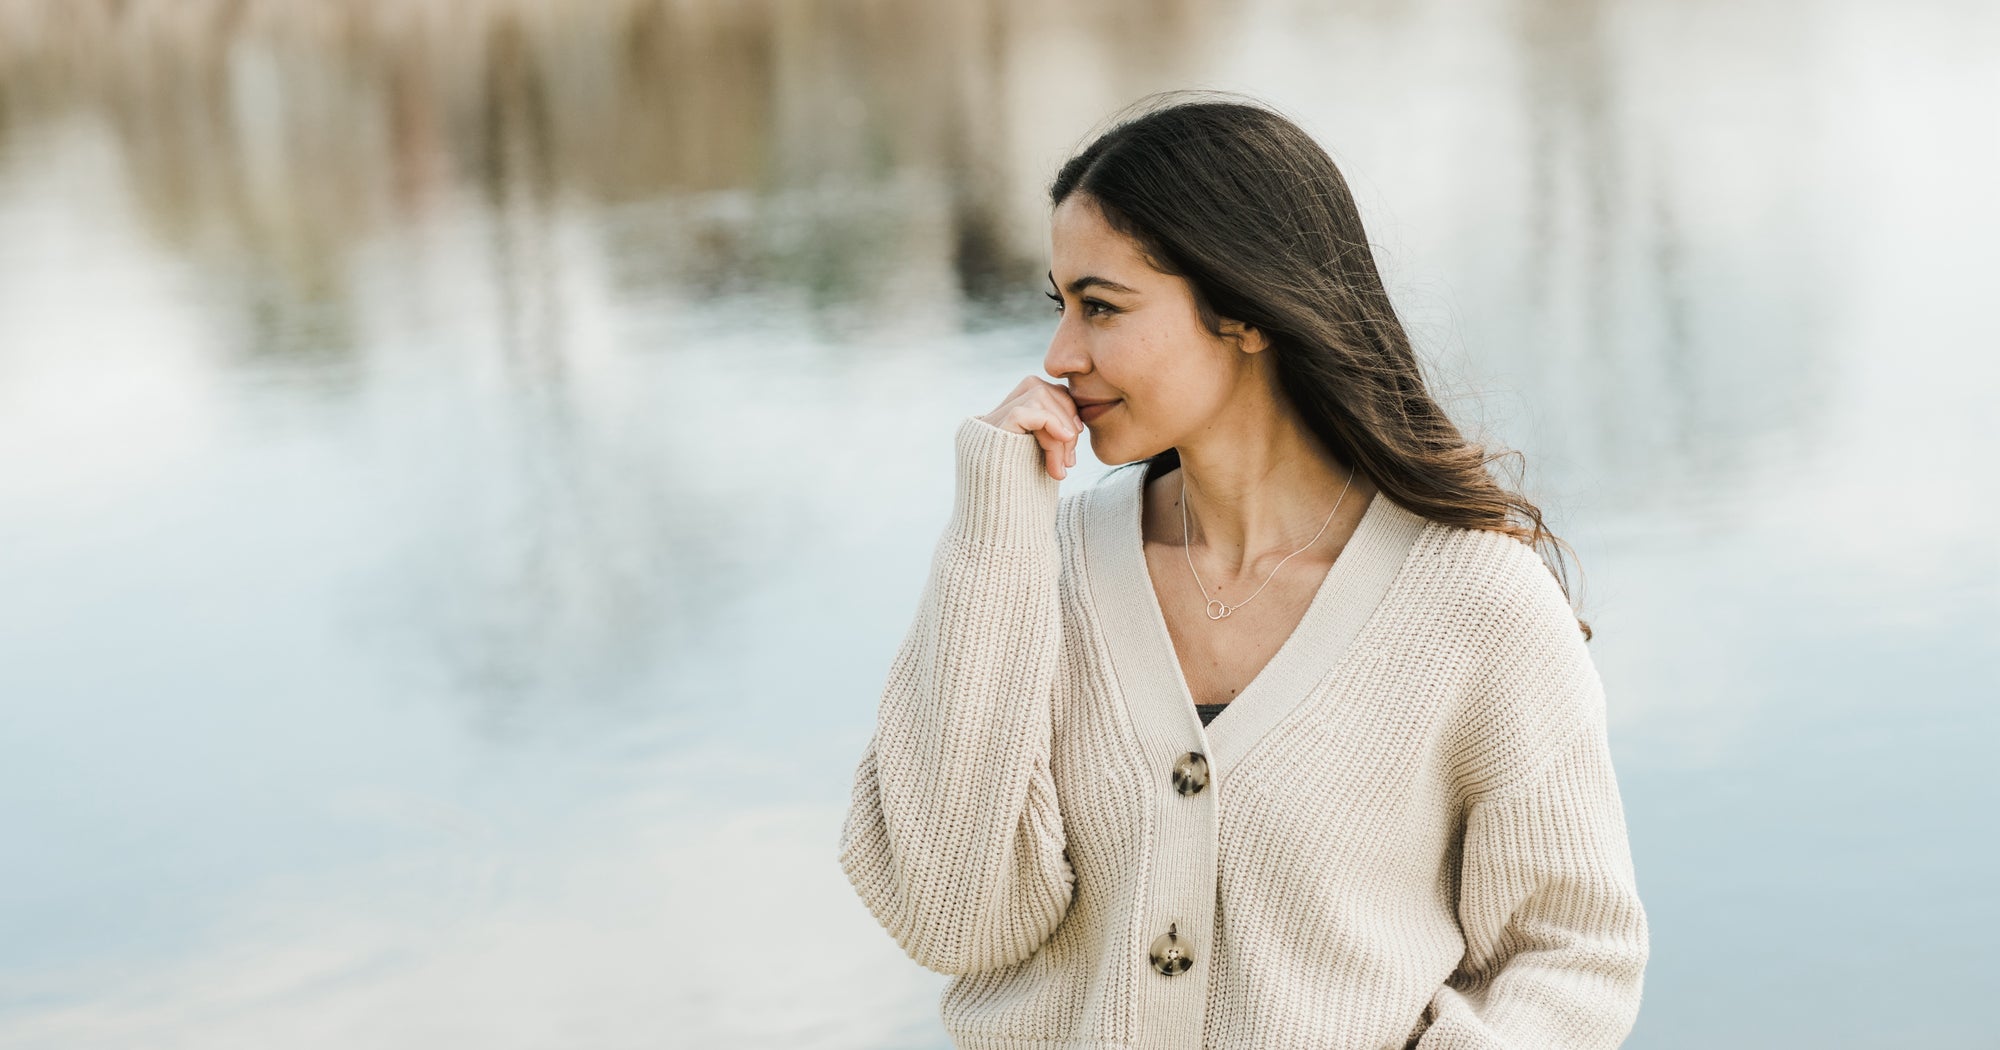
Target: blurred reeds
[290, 129]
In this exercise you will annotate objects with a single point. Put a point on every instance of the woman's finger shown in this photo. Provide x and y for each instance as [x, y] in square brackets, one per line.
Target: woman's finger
[1046, 410]
[1052, 451]
[1052, 433]
[1071, 427]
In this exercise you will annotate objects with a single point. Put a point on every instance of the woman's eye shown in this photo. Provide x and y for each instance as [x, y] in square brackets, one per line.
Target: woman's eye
[1090, 306]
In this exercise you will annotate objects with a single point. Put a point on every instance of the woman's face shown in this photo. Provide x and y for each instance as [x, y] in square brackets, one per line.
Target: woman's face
[1131, 333]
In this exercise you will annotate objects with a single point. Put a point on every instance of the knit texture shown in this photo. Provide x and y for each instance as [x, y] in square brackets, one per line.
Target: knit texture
[1410, 833]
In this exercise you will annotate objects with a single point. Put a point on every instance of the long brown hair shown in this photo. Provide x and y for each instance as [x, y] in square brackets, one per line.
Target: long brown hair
[1239, 201]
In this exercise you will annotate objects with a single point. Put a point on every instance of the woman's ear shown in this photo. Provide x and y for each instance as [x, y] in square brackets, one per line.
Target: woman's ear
[1248, 338]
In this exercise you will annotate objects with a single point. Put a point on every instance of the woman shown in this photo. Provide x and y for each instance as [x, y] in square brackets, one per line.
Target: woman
[1282, 736]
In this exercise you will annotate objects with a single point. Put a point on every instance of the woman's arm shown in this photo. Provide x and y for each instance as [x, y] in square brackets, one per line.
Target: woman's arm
[1556, 939]
[952, 837]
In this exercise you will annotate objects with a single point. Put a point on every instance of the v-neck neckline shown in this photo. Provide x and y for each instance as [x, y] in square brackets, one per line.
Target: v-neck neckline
[1300, 628]
[1143, 656]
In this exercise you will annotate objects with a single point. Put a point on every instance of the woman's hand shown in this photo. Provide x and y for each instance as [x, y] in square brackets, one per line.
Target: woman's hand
[1043, 409]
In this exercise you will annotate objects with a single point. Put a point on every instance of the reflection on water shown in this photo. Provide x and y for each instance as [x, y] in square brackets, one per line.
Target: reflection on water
[466, 466]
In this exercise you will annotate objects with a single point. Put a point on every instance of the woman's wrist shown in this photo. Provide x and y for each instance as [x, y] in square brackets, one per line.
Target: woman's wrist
[1002, 495]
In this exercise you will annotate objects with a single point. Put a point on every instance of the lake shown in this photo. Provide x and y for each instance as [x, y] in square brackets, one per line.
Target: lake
[465, 469]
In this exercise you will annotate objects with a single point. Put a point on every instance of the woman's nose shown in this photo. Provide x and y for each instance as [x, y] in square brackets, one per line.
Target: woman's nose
[1066, 354]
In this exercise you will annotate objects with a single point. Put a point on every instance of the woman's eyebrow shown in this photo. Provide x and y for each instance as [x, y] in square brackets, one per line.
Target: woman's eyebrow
[1077, 286]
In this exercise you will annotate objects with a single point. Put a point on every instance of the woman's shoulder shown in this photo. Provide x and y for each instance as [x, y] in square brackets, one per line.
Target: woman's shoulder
[1489, 579]
[1525, 679]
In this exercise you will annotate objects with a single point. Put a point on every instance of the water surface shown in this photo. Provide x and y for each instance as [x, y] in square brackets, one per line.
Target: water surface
[462, 479]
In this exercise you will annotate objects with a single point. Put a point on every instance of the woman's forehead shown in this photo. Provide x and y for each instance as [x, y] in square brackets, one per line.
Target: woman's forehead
[1083, 245]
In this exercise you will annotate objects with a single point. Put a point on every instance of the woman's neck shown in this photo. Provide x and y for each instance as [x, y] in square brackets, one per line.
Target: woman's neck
[1257, 490]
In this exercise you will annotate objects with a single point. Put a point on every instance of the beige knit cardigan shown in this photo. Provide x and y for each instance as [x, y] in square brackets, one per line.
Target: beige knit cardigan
[1405, 831]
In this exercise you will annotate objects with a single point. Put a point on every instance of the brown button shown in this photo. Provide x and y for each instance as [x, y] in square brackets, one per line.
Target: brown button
[1170, 954]
[1190, 773]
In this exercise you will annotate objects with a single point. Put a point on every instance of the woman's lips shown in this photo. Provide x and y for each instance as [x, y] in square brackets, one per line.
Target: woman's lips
[1089, 413]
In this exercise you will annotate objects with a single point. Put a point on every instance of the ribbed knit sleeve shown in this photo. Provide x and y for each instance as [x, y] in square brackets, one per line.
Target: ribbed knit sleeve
[953, 838]
[1556, 939]
[1555, 936]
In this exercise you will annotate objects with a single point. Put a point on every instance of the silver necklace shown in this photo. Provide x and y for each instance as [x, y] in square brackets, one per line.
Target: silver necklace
[1216, 608]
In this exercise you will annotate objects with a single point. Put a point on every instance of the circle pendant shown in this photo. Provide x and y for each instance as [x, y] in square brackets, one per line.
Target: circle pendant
[1215, 604]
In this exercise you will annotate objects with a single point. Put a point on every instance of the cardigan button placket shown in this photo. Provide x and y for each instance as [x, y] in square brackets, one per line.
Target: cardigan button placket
[1169, 953]
[1190, 773]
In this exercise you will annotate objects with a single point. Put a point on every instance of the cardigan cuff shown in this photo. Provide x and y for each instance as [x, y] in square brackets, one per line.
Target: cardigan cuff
[1004, 494]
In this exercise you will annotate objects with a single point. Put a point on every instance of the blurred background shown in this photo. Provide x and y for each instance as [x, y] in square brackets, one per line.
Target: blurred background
[465, 466]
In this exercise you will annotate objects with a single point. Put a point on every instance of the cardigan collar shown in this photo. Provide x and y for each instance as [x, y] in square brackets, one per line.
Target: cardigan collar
[1142, 654]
